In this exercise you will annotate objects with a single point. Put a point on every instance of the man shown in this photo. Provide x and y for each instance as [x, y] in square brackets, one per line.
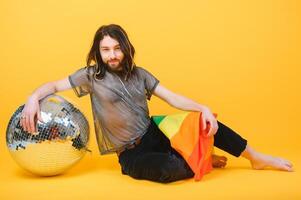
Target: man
[119, 91]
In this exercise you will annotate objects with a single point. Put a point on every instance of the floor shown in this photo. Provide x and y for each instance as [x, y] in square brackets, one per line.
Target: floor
[99, 177]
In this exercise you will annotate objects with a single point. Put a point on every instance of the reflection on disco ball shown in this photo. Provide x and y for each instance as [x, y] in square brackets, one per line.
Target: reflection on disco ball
[60, 142]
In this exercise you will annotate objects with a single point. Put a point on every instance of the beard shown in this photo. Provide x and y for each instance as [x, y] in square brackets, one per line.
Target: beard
[116, 67]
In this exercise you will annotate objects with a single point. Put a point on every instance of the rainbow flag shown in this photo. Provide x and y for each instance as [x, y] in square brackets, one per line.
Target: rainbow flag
[186, 135]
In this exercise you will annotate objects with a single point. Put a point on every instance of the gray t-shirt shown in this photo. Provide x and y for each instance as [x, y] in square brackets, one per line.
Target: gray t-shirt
[119, 107]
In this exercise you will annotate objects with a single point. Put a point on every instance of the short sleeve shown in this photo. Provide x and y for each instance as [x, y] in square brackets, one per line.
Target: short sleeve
[80, 81]
[150, 82]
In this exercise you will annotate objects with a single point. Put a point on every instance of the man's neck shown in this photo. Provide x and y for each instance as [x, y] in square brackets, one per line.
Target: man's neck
[120, 73]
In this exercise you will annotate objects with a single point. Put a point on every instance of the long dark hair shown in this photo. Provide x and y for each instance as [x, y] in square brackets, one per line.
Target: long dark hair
[114, 31]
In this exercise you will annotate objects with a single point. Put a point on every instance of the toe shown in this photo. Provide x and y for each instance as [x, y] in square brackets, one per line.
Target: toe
[223, 158]
[286, 162]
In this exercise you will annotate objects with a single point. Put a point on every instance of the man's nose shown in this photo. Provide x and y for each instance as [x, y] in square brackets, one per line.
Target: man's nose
[112, 54]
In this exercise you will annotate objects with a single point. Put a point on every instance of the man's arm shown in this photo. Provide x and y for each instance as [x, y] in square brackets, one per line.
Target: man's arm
[50, 88]
[176, 100]
[32, 109]
[184, 103]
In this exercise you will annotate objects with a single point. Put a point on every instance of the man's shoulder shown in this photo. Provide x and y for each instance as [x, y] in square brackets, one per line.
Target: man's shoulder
[140, 69]
[90, 69]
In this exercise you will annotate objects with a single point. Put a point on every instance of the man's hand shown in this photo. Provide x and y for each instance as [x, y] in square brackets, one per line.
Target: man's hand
[30, 114]
[208, 119]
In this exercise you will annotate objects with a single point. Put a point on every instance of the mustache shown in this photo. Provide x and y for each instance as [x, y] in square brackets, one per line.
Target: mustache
[107, 66]
[114, 60]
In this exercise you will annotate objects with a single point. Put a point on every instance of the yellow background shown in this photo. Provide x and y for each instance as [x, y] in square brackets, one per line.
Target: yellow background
[240, 58]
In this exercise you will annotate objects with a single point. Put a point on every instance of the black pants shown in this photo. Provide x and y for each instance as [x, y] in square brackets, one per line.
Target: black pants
[154, 159]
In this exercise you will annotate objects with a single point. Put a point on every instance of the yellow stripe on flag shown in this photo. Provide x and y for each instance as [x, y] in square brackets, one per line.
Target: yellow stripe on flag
[171, 124]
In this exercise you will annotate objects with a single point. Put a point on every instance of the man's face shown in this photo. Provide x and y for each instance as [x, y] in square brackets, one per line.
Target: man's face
[111, 53]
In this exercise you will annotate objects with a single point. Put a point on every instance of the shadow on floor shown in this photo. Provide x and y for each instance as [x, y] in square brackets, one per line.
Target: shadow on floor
[88, 164]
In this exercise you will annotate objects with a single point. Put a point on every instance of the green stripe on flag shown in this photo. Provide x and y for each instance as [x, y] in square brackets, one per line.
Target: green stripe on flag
[158, 118]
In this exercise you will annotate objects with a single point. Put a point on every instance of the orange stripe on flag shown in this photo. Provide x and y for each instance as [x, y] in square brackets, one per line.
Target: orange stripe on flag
[192, 143]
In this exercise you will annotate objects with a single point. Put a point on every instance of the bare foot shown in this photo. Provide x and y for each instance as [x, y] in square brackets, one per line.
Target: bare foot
[218, 161]
[261, 161]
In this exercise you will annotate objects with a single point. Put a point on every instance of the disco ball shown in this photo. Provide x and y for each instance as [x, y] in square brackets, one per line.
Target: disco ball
[60, 142]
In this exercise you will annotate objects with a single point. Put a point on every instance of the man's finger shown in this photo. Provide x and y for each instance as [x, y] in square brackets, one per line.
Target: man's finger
[26, 119]
[21, 123]
[215, 131]
[215, 127]
[210, 132]
[40, 117]
[21, 120]
[204, 122]
[31, 123]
